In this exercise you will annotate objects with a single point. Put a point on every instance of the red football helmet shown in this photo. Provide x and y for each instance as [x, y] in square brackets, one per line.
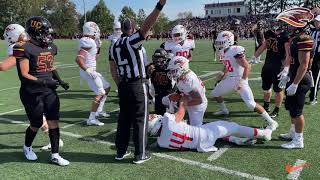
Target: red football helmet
[297, 17]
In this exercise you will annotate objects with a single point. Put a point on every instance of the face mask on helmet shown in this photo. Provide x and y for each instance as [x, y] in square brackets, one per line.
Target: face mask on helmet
[179, 33]
[160, 59]
[40, 30]
[91, 29]
[154, 124]
[177, 67]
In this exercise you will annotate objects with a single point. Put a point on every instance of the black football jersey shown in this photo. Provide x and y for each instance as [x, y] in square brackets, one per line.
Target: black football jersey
[299, 43]
[161, 82]
[41, 60]
[276, 52]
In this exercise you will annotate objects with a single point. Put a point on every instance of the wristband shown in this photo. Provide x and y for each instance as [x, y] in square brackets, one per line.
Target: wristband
[159, 6]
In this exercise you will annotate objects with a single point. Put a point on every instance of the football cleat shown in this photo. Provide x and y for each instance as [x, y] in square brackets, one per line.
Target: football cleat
[273, 126]
[222, 112]
[29, 154]
[48, 147]
[103, 114]
[139, 160]
[57, 159]
[287, 136]
[94, 122]
[294, 144]
[314, 102]
[267, 134]
[120, 157]
[274, 114]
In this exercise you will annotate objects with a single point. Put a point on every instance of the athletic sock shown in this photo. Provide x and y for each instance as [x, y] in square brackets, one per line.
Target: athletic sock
[298, 136]
[54, 135]
[92, 115]
[30, 135]
[266, 105]
[276, 109]
[266, 116]
[101, 105]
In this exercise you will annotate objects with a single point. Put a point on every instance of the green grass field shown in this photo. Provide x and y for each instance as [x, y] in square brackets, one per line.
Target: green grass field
[91, 151]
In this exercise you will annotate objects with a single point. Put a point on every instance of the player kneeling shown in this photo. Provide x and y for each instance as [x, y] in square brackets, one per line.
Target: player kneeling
[235, 78]
[86, 59]
[177, 134]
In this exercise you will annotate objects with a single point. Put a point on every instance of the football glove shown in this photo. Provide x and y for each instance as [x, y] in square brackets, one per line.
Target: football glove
[283, 82]
[64, 85]
[292, 89]
[50, 83]
[92, 73]
[284, 73]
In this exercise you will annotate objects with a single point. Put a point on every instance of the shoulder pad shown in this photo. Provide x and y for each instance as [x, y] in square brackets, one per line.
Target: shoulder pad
[86, 42]
[238, 50]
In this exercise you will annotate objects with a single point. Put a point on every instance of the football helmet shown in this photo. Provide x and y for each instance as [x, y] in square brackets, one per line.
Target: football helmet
[179, 33]
[13, 32]
[91, 29]
[297, 17]
[39, 29]
[160, 58]
[154, 124]
[224, 40]
[117, 27]
[177, 67]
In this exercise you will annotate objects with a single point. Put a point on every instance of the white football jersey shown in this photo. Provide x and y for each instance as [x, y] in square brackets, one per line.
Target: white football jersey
[10, 49]
[91, 55]
[230, 62]
[180, 50]
[182, 136]
[191, 82]
[114, 37]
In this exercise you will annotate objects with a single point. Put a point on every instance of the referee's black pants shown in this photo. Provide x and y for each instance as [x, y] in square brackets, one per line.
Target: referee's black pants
[315, 68]
[133, 112]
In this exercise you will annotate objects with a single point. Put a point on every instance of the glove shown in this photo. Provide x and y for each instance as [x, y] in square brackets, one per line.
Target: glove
[50, 83]
[292, 89]
[253, 60]
[284, 73]
[283, 82]
[92, 73]
[64, 85]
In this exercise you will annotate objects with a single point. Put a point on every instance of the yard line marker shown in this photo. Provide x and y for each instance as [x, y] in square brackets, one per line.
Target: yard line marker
[162, 155]
[296, 173]
[219, 153]
[208, 74]
[109, 133]
[79, 122]
[8, 112]
[210, 167]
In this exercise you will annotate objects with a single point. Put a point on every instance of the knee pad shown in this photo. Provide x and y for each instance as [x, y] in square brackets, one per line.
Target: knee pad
[251, 105]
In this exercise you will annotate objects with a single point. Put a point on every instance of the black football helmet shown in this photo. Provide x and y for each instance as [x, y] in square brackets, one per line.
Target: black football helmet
[160, 58]
[39, 29]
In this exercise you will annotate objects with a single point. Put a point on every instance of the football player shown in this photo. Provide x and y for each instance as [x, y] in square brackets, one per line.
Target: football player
[180, 45]
[235, 77]
[38, 78]
[259, 40]
[190, 86]
[157, 72]
[277, 45]
[116, 32]
[176, 134]
[86, 59]
[15, 33]
[295, 77]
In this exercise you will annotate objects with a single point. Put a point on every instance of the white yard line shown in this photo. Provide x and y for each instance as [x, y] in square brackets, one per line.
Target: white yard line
[8, 112]
[165, 156]
[12, 121]
[219, 153]
[208, 74]
[295, 174]
[109, 133]
[210, 167]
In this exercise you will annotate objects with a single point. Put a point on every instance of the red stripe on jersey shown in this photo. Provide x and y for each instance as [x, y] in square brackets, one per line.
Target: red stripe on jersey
[255, 132]
[179, 148]
[184, 137]
[176, 141]
[304, 45]
[18, 53]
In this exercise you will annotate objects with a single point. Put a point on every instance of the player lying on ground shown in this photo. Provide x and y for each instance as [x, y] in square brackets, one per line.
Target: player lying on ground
[15, 33]
[86, 59]
[175, 133]
[188, 84]
[235, 78]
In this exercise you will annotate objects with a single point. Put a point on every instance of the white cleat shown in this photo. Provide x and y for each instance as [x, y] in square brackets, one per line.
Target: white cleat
[222, 112]
[57, 159]
[103, 114]
[273, 126]
[287, 136]
[94, 122]
[312, 103]
[48, 147]
[29, 154]
[294, 144]
[267, 134]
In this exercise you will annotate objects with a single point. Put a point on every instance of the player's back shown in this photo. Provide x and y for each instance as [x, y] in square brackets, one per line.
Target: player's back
[177, 135]
[230, 62]
[90, 46]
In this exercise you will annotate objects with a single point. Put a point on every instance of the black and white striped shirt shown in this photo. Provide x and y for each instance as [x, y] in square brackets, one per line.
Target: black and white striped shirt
[127, 54]
[316, 44]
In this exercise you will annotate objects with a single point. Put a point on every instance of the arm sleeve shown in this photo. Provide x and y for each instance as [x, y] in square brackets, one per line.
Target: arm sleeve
[136, 39]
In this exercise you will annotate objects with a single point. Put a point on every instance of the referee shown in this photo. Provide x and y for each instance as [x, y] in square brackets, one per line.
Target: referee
[128, 71]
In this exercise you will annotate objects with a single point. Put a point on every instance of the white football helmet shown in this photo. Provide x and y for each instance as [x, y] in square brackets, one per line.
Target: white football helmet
[154, 124]
[177, 67]
[91, 29]
[13, 32]
[179, 33]
[224, 40]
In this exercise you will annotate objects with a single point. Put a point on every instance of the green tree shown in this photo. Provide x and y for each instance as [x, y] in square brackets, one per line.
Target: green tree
[101, 15]
[127, 12]
[162, 24]
[185, 15]
[141, 17]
